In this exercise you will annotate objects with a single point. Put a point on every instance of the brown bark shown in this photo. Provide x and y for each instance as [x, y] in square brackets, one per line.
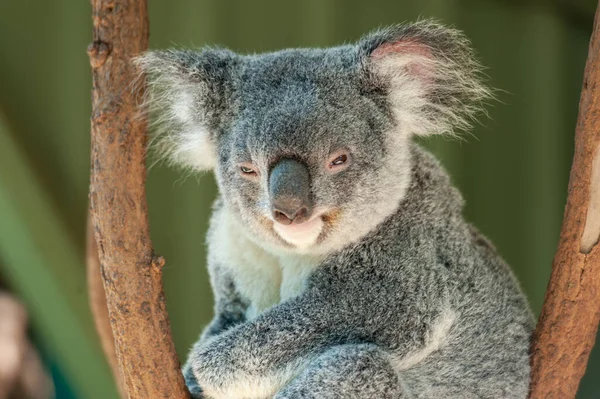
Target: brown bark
[99, 307]
[131, 272]
[568, 324]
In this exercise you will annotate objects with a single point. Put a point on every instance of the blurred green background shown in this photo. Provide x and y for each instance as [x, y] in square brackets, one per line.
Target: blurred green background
[513, 171]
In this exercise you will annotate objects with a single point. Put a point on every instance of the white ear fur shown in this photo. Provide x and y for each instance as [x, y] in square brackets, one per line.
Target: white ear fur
[174, 101]
[433, 80]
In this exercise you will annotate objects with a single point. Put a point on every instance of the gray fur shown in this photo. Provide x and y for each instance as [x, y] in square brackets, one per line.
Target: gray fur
[402, 297]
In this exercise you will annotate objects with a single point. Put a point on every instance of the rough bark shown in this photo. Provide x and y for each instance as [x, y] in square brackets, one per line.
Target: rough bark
[568, 324]
[99, 307]
[131, 272]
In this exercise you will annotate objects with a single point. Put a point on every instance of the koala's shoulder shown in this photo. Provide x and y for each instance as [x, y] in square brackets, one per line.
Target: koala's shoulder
[431, 196]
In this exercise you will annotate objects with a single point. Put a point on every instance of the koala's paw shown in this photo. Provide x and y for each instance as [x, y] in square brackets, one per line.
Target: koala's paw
[210, 372]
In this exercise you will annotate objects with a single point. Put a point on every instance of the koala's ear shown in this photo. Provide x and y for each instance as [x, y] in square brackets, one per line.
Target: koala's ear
[188, 98]
[428, 73]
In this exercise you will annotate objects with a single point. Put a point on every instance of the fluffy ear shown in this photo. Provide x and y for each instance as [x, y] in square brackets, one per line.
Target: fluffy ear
[429, 75]
[188, 97]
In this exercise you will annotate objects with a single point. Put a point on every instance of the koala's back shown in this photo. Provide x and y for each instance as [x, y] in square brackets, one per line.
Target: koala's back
[487, 347]
[488, 344]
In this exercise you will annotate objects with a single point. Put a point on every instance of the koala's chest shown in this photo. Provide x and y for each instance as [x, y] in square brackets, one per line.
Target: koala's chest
[261, 277]
[266, 280]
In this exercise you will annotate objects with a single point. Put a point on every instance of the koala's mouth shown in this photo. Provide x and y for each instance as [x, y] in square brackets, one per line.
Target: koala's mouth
[301, 235]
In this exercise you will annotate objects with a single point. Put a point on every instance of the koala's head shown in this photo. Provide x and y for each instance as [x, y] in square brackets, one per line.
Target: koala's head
[311, 147]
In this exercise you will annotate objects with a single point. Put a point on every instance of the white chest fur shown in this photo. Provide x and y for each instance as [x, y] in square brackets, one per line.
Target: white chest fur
[262, 277]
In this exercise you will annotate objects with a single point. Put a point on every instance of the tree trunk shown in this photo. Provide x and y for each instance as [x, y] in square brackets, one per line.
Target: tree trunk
[568, 324]
[131, 272]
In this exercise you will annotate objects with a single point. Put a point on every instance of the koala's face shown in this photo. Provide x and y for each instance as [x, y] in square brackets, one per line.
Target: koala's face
[301, 158]
[311, 147]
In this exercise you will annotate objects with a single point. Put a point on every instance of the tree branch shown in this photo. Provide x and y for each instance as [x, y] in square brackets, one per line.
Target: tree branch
[568, 324]
[131, 272]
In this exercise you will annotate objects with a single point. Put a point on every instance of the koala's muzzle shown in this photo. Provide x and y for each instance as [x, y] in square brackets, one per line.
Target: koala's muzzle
[289, 192]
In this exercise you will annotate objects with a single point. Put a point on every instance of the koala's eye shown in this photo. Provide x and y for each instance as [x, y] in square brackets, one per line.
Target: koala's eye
[338, 161]
[248, 170]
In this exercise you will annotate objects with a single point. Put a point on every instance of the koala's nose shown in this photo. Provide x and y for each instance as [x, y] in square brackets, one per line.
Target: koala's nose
[288, 215]
[289, 191]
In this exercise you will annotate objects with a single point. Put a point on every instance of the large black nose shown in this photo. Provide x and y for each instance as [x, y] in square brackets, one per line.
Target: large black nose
[289, 191]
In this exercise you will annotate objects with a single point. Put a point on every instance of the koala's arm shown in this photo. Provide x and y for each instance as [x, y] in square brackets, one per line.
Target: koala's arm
[261, 355]
[229, 311]
[258, 358]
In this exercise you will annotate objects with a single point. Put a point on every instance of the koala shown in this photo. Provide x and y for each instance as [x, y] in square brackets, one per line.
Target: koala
[341, 263]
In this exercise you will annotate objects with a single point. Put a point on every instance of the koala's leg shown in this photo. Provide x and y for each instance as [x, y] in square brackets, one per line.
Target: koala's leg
[469, 373]
[346, 372]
